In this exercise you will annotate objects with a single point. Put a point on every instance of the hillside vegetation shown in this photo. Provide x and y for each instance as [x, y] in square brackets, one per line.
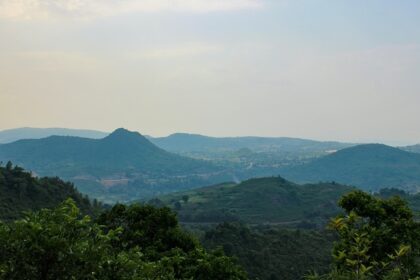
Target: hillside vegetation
[20, 191]
[263, 200]
[370, 167]
[125, 243]
[369, 228]
[273, 254]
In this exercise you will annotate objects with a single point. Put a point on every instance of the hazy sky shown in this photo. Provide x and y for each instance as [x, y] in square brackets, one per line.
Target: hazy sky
[332, 69]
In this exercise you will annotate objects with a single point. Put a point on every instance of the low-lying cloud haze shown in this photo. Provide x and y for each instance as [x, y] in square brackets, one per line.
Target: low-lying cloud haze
[329, 70]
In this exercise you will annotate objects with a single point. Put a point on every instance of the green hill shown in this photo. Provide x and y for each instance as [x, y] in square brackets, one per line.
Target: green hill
[371, 167]
[20, 191]
[121, 166]
[266, 200]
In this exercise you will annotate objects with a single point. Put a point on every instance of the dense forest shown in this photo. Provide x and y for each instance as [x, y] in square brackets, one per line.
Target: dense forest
[20, 191]
[271, 200]
[136, 242]
[273, 253]
[374, 238]
[62, 235]
[276, 229]
[42, 237]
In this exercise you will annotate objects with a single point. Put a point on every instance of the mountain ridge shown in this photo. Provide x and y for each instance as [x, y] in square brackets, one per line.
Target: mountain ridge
[188, 142]
[122, 156]
[369, 166]
[15, 134]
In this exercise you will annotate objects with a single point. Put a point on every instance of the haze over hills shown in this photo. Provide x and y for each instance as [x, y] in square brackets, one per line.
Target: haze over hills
[248, 156]
[200, 146]
[193, 143]
[120, 166]
[413, 148]
[370, 166]
[12, 135]
[127, 165]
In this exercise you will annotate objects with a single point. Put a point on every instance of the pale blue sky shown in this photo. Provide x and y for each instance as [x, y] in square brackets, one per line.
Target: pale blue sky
[332, 70]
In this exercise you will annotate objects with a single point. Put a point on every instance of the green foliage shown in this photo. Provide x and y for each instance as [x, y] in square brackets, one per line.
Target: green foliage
[263, 200]
[20, 191]
[58, 244]
[269, 253]
[378, 239]
[133, 242]
[155, 230]
[157, 233]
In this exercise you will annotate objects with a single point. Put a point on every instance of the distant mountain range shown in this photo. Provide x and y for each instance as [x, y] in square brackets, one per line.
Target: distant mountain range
[184, 143]
[370, 166]
[126, 165]
[194, 143]
[121, 165]
[413, 149]
[12, 135]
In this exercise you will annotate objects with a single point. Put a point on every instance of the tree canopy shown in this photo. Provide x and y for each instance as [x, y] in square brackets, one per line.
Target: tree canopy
[378, 239]
[126, 242]
[21, 191]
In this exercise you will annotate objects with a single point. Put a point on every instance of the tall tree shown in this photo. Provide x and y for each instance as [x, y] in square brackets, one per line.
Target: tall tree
[378, 239]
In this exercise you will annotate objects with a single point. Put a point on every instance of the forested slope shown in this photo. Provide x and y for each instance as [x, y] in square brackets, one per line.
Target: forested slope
[20, 191]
